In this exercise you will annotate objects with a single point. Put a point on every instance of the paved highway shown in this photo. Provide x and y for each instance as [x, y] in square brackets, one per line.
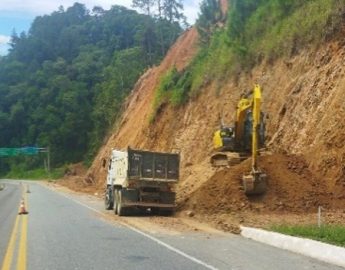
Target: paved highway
[66, 231]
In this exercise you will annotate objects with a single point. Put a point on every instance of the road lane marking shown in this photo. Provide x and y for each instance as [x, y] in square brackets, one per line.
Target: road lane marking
[10, 249]
[21, 263]
[12, 243]
[156, 240]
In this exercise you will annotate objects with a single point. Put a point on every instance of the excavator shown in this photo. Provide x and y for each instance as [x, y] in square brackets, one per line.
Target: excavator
[243, 140]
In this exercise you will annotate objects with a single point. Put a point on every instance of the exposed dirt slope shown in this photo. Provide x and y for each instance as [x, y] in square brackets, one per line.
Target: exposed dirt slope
[133, 129]
[304, 98]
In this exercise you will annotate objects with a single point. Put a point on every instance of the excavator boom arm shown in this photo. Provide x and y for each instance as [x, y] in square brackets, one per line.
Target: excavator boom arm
[256, 124]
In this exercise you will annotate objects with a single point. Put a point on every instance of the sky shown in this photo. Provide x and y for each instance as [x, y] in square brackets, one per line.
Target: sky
[19, 14]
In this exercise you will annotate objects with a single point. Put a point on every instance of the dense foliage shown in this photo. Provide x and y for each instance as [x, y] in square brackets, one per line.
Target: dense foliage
[62, 83]
[255, 31]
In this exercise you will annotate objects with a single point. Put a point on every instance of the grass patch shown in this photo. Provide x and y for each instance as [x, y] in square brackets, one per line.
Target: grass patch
[276, 30]
[36, 174]
[173, 88]
[331, 234]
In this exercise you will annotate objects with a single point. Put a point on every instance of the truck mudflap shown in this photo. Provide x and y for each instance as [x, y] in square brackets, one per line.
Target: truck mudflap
[133, 197]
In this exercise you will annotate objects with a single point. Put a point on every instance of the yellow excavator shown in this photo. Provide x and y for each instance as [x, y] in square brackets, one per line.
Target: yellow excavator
[238, 142]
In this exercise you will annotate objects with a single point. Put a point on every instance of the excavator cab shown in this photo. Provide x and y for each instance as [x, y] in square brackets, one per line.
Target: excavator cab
[224, 139]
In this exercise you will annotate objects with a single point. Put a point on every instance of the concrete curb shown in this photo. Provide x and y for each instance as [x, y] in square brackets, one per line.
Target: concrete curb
[320, 251]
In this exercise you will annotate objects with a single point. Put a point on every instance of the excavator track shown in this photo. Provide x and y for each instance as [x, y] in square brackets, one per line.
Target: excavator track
[223, 159]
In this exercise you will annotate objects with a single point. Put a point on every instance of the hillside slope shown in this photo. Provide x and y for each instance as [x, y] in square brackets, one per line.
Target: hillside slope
[303, 98]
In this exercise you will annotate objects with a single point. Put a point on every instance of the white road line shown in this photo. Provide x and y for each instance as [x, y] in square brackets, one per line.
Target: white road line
[208, 266]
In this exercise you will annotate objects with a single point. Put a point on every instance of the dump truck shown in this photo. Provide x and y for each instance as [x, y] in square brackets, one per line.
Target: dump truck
[139, 179]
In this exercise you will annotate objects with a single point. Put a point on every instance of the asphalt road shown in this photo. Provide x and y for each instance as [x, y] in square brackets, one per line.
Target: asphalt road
[69, 232]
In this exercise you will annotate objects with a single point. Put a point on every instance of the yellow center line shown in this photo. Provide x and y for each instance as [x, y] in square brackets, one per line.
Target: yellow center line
[9, 252]
[21, 260]
[21, 264]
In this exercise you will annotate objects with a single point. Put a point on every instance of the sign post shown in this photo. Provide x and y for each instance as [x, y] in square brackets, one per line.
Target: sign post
[26, 151]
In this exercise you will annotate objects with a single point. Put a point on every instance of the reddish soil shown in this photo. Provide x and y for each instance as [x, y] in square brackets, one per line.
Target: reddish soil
[292, 191]
[76, 178]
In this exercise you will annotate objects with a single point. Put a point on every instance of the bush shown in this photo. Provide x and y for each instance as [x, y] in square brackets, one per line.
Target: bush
[173, 88]
[36, 174]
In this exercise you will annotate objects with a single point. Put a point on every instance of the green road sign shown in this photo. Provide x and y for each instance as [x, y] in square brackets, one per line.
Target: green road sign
[28, 150]
[11, 152]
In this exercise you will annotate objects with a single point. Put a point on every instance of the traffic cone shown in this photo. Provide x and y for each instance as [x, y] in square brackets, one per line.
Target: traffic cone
[22, 210]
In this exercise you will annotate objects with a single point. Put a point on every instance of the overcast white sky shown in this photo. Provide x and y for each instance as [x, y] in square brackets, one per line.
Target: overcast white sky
[18, 14]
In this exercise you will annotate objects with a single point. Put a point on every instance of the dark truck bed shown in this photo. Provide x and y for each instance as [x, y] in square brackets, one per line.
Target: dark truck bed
[152, 175]
[153, 166]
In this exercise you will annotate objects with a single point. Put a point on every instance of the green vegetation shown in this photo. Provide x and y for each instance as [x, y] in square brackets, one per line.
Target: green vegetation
[332, 234]
[29, 167]
[256, 31]
[63, 83]
[36, 174]
[173, 88]
[282, 28]
[210, 15]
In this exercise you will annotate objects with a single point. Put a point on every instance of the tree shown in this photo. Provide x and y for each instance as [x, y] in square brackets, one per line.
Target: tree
[145, 5]
[172, 10]
[210, 14]
[63, 83]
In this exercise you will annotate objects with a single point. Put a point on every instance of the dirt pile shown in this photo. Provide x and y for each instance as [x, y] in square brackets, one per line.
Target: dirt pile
[290, 187]
[293, 191]
[76, 178]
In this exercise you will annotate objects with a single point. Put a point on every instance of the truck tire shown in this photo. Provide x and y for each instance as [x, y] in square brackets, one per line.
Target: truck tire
[121, 211]
[109, 199]
[115, 201]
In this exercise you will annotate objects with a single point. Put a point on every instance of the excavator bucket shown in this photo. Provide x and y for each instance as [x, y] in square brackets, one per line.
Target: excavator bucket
[254, 183]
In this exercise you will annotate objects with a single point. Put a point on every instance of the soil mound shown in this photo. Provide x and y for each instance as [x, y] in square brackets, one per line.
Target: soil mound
[291, 187]
[293, 196]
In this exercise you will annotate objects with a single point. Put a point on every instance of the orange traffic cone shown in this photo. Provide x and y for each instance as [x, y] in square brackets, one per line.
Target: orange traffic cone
[22, 210]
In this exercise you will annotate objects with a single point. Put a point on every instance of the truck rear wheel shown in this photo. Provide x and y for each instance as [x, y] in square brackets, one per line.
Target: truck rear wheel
[115, 201]
[109, 199]
[121, 211]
